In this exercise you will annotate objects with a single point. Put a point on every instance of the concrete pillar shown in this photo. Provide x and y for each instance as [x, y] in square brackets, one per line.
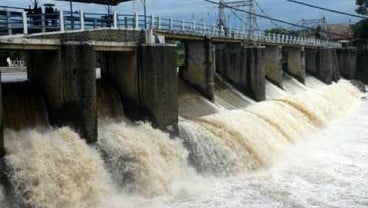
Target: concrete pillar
[2, 147]
[147, 83]
[328, 70]
[243, 68]
[121, 69]
[67, 79]
[199, 66]
[220, 59]
[158, 93]
[231, 64]
[311, 60]
[256, 73]
[295, 62]
[362, 63]
[347, 58]
[323, 64]
[272, 64]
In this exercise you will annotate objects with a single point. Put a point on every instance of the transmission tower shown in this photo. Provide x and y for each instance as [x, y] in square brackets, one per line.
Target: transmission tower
[317, 24]
[314, 23]
[251, 18]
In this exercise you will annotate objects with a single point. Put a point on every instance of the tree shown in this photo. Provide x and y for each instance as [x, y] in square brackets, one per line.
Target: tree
[282, 31]
[362, 7]
[360, 29]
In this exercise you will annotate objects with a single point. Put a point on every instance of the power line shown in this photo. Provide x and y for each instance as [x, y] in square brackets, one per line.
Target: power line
[240, 19]
[273, 19]
[326, 9]
[260, 8]
[222, 5]
[262, 16]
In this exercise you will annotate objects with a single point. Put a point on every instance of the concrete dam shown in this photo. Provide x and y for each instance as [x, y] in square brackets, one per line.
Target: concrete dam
[109, 118]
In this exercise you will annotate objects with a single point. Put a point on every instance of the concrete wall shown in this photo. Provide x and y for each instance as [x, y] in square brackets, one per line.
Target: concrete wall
[108, 100]
[199, 67]
[47, 75]
[347, 58]
[242, 67]
[147, 82]
[295, 62]
[158, 93]
[256, 73]
[323, 64]
[231, 64]
[362, 66]
[121, 69]
[272, 64]
[67, 80]
[328, 70]
[2, 147]
[311, 61]
[97, 35]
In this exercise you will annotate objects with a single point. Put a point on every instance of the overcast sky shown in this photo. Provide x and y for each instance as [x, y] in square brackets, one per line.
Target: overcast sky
[203, 11]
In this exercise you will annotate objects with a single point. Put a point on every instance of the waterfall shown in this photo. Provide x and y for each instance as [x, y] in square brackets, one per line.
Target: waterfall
[108, 101]
[273, 91]
[254, 137]
[228, 97]
[192, 104]
[142, 159]
[53, 168]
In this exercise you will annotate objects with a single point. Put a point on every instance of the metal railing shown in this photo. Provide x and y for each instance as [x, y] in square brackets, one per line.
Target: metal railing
[16, 21]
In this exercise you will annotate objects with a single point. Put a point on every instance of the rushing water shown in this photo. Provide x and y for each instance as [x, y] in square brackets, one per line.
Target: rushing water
[142, 159]
[54, 168]
[325, 169]
[270, 154]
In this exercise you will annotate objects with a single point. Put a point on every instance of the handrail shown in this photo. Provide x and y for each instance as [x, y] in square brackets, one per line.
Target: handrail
[11, 7]
[20, 22]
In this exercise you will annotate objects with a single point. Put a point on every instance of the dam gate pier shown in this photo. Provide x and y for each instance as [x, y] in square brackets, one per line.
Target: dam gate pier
[141, 65]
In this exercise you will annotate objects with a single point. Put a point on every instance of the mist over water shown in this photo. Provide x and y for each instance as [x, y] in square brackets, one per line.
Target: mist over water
[276, 153]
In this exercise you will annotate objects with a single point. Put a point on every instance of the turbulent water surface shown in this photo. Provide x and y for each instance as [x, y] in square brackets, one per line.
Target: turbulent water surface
[326, 169]
[302, 150]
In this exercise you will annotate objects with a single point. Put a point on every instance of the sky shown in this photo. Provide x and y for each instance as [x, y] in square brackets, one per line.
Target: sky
[201, 11]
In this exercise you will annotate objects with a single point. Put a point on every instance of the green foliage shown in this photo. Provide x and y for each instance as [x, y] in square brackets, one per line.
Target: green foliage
[282, 31]
[180, 54]
[360, 29]
[362, 7]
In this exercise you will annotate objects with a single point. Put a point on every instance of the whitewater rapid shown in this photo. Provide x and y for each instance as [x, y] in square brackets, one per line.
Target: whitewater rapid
[278, 153]
[325, 169]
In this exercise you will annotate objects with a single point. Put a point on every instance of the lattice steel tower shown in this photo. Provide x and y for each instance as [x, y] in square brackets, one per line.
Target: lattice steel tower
[249, 5]
[314, 24]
